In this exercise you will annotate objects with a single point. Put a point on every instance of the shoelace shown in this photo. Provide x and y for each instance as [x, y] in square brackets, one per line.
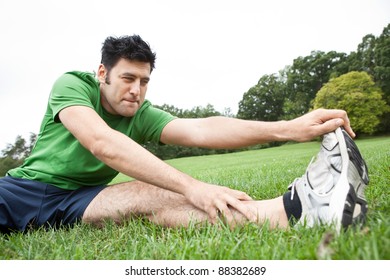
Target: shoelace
[292, 187]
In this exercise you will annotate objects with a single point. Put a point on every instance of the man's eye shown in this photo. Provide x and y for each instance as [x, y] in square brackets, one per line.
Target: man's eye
[128, 79]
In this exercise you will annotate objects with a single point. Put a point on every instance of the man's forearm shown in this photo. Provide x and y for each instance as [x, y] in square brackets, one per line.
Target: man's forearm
[230, 133]
[126, 156]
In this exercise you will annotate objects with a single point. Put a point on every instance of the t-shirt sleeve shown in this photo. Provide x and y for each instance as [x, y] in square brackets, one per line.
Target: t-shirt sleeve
[150, 122]
[71, 90]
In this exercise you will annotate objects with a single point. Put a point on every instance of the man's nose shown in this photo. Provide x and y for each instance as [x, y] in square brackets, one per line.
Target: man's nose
[135, 88]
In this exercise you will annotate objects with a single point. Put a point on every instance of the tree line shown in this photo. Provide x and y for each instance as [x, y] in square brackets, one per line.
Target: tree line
[294, 90]
[358, 82]
[14, 154]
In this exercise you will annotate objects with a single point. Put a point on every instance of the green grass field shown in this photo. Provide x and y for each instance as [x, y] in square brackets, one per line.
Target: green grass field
[262, 174]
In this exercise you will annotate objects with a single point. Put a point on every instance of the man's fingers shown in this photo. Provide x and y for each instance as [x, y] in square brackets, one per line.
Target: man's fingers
[225, 214]
[222, 202]
[234, 199]
[333, 124]
[348, 128]
[337, 118]
[213, 214]
[243, 209]
[241, 195]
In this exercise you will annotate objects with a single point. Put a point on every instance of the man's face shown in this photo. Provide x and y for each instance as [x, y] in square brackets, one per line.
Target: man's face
[123, 89]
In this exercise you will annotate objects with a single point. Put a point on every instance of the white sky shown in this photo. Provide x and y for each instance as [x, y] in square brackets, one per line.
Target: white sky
[208, 51]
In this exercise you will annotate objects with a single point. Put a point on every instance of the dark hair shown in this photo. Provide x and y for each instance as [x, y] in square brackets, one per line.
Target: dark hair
[128, 47]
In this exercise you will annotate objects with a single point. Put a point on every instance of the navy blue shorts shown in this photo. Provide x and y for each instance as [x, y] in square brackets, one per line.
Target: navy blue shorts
[26, 204]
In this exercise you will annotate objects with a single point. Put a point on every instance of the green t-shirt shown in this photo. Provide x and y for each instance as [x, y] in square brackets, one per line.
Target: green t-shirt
[59, 159]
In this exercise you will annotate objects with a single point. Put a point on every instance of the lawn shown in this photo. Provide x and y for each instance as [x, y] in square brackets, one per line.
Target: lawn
[262, 174]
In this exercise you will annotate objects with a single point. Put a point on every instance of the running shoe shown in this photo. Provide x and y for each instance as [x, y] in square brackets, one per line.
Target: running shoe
[332, 189]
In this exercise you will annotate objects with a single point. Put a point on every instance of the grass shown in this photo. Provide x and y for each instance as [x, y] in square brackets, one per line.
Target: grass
[261, 173]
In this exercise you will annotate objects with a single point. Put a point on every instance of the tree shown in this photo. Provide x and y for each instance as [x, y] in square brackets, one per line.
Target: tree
[382, 72]
[373, 57]
[201, 112]
[195, 112]
[382, 61]
[170, 109]
[14, 155]
[264, 101]
[227, 112]
[307, 75]
[364, 58]
[356, 93]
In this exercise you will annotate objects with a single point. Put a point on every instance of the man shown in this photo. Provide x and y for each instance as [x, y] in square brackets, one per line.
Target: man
[93, 129]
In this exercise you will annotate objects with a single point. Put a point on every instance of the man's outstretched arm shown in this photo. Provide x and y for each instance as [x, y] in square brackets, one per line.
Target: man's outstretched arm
[230, 133]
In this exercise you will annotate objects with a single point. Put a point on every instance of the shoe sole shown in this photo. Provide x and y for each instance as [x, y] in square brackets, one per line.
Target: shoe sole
[357, 160]
[346, 196]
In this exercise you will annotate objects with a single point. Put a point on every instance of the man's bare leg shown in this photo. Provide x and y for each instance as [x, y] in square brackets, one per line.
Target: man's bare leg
[166, 208]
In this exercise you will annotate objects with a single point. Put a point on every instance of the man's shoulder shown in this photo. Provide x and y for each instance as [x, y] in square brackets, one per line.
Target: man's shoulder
[80, 76]
[75, 78]
[74, 88]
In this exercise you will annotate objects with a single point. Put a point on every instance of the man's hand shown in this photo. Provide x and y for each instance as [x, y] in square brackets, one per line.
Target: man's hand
[317, 123]
[219, 201]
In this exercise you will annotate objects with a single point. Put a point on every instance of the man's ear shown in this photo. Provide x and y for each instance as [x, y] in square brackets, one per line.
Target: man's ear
[102, 74]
